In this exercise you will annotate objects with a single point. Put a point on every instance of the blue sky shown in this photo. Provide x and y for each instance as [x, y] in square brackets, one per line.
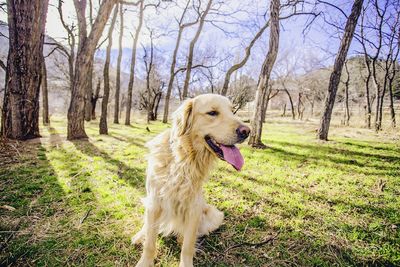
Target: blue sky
[318, 42]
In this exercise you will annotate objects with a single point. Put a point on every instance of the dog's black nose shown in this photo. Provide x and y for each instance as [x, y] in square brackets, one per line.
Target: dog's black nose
[243, 132]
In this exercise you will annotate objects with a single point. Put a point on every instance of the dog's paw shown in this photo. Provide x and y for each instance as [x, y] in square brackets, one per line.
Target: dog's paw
[138, 238]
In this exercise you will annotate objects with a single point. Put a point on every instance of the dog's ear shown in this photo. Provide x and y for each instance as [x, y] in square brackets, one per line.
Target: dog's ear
[182, 118]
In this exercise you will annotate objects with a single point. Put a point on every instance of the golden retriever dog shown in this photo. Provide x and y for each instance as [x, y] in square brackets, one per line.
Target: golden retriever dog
[180, 159]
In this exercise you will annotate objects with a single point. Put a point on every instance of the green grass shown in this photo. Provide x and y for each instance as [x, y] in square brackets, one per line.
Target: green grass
[78, 203]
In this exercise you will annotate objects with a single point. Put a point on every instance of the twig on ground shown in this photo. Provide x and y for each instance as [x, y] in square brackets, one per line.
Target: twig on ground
[255, 245]
[85, 216]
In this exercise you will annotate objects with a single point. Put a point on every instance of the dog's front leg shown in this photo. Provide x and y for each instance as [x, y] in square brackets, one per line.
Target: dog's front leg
[150, 229]
[189, 239]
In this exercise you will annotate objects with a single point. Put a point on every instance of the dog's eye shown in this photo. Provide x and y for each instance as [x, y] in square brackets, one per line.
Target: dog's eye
[213, 113]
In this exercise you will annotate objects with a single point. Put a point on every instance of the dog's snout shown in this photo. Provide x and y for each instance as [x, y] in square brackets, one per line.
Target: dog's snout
[243, 131]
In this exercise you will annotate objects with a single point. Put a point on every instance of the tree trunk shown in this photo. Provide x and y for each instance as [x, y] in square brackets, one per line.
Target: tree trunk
[94, 99]
[157, 103]
[189, 63]
[291, 103]
[76, 111]
[380, 100]
[391, 105]
[119, 60]
[173, 63]
[26, 22]
[337, 69]
[367, 96]
[265, 106]
[263, 84]
[89, 91]
[103, 129]
[149, 67]
[171, 76]
[45, 95]
[346, 96]
[300, 108]
[133, 63]
[283, 110]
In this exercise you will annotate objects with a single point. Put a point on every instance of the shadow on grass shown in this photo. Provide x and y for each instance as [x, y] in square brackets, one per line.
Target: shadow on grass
[136, 141]
[33, 189]
[135, 176]
[332, 150]
[84, 197]
[302, 247]
[321, 155]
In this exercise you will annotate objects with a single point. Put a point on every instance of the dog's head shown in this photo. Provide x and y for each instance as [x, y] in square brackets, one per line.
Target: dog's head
[208, 123]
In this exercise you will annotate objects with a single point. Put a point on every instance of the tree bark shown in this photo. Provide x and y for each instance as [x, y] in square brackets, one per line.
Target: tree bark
[76, 111]
[45, 95]
[103, 129]
[26, 22]
[133, 63]
[189, 63]
[119, 60]
[263, 83]
[337, 69]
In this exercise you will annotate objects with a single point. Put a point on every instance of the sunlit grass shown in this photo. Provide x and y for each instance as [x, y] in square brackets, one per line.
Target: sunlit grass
[334, 203]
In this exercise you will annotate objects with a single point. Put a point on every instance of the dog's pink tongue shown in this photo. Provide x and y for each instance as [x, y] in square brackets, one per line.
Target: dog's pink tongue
[233, 156]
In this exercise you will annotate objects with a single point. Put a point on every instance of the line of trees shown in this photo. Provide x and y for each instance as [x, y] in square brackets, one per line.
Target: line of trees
[374, 25]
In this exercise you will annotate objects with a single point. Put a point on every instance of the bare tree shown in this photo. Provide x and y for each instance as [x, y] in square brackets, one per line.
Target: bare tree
[263, 83]
[71, 43]
[337, 69]
[76, 111]
[119, 60]
[375, 62]
[392, 40]
[172, 72]
[189, 63]
[26, 25]
[243, 61]
[133, 63]
[103, 129]
[367, 62]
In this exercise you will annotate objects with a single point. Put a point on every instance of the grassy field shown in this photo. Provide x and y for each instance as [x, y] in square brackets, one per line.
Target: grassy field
[299, 202]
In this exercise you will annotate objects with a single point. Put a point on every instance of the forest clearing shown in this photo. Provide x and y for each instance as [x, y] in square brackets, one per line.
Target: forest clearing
[316, 204]
[271, 128]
